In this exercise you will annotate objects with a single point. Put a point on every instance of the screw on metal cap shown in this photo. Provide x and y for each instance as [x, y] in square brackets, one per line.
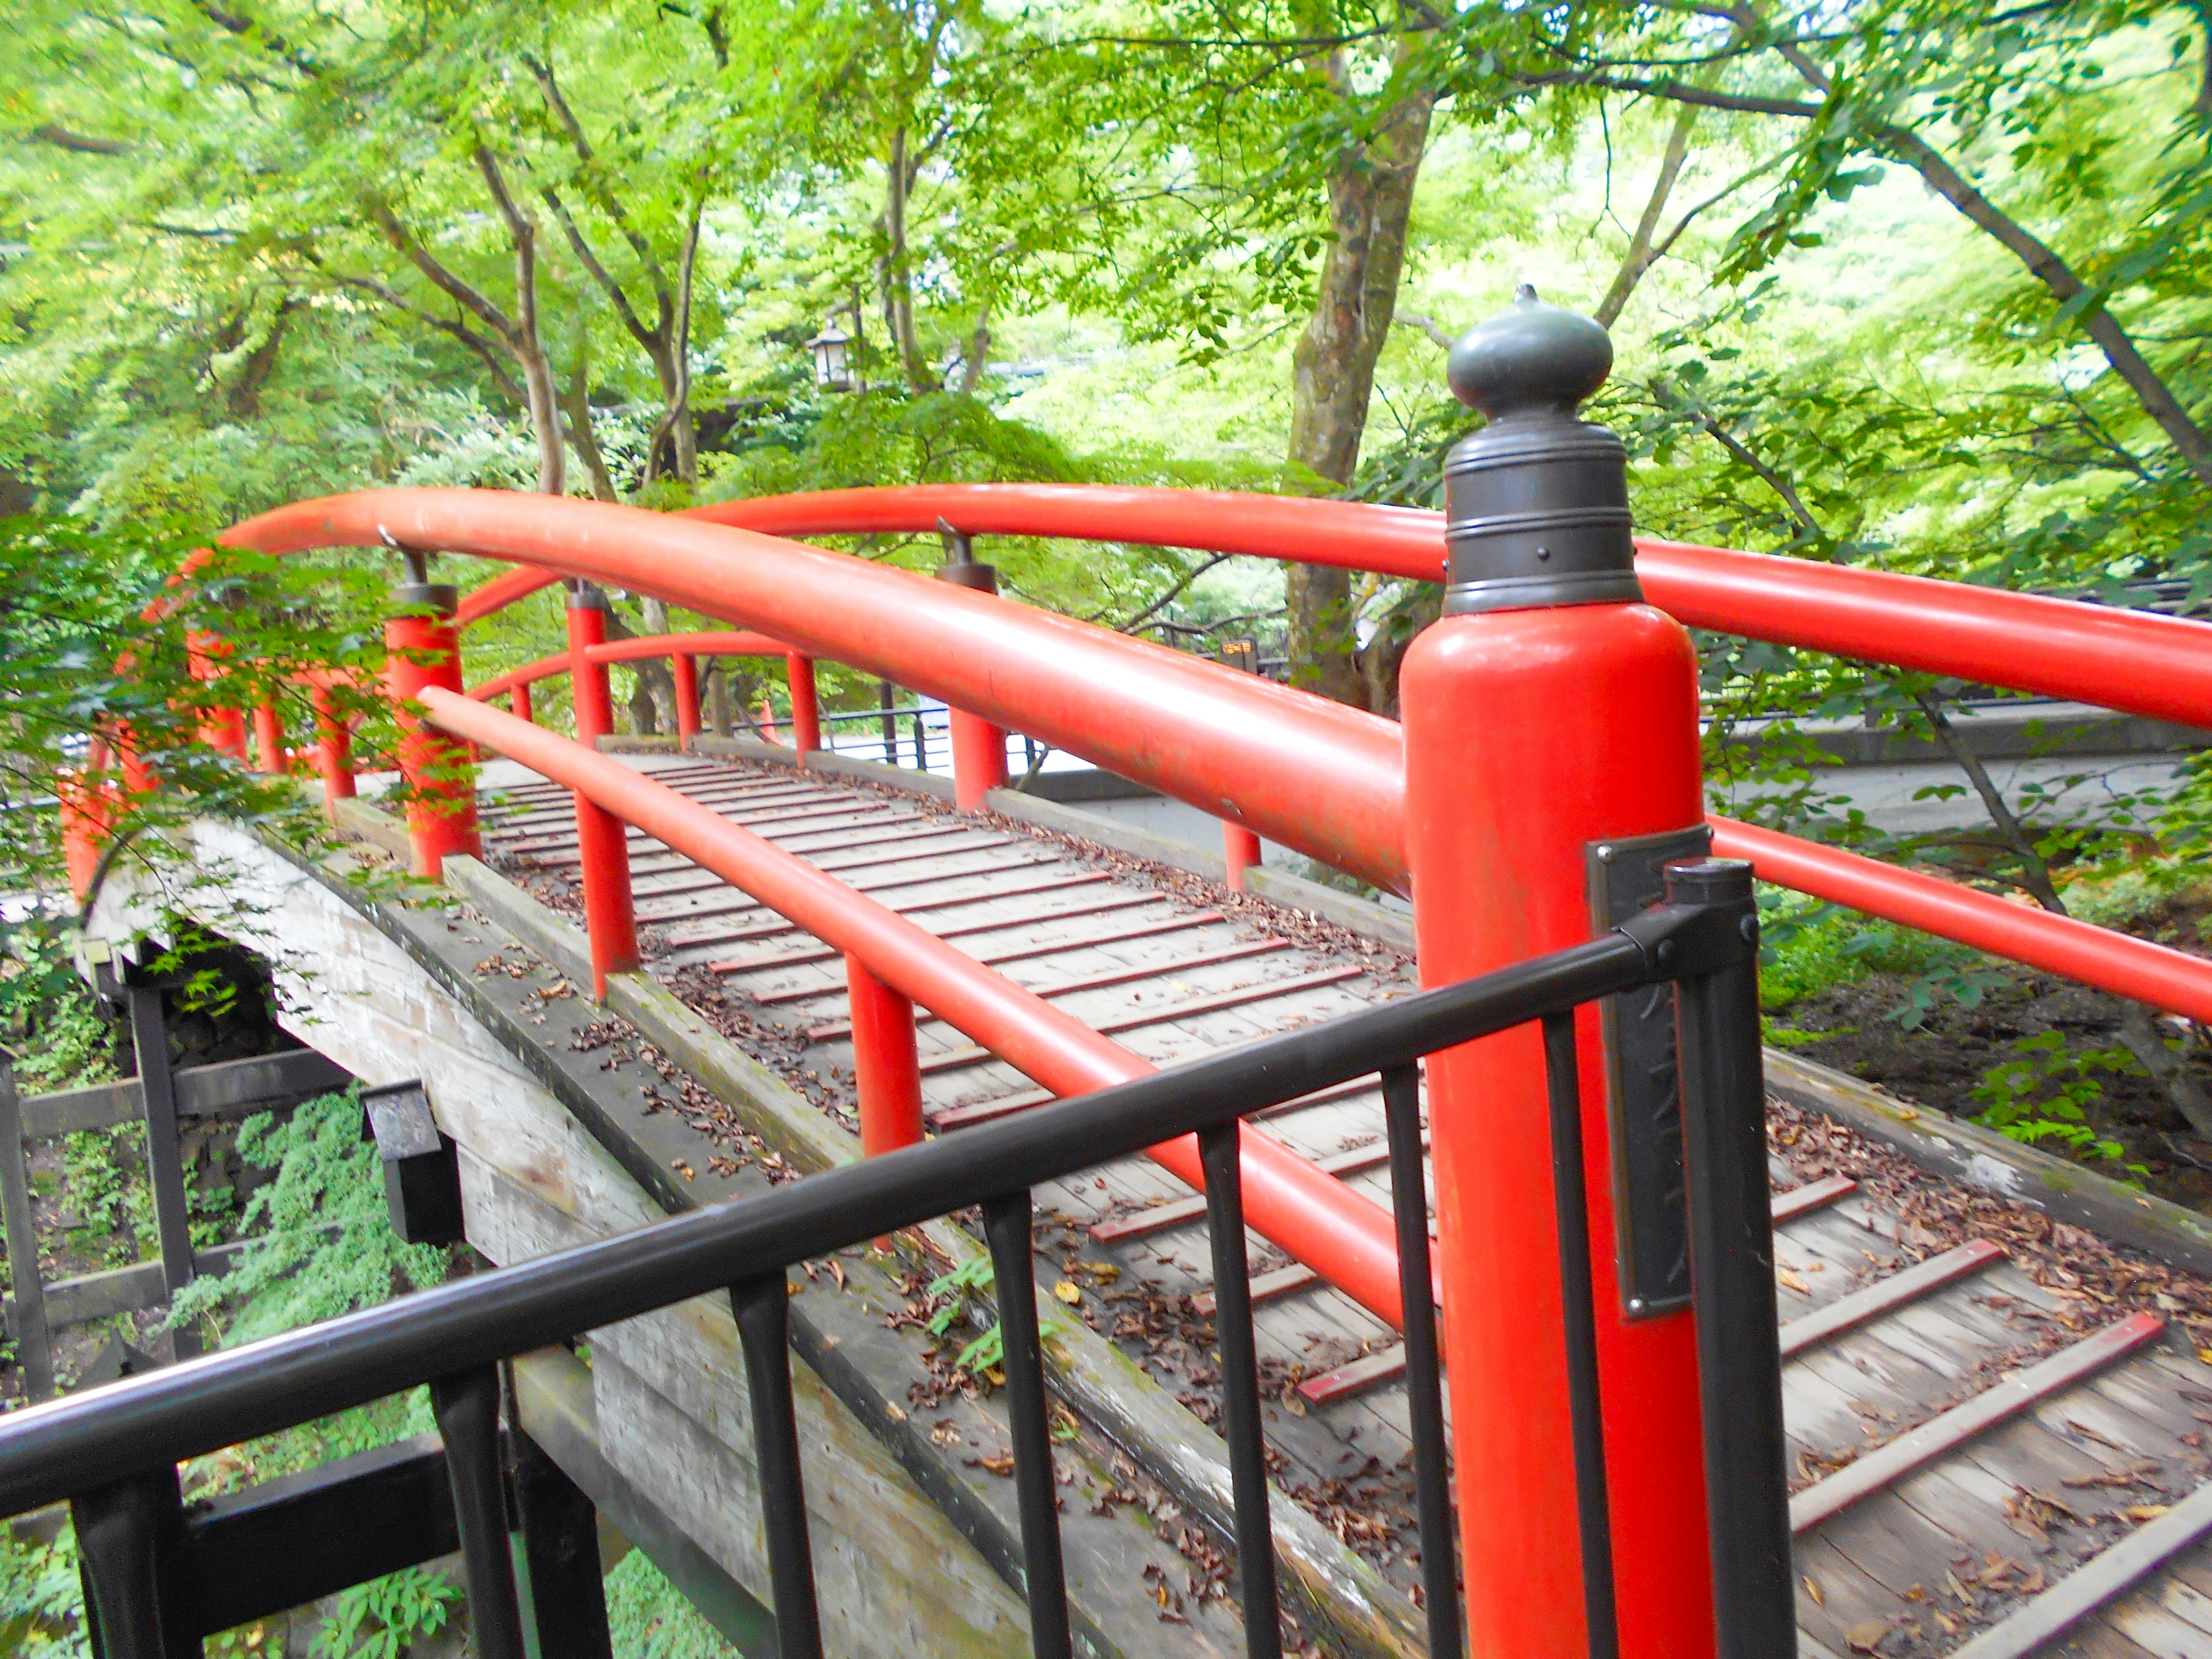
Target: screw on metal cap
[1535, 503]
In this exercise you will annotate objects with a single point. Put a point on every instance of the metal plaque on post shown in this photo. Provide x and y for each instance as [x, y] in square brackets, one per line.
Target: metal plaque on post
[1643, 1085]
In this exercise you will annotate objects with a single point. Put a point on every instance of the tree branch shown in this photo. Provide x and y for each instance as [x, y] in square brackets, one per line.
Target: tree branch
[469, 298]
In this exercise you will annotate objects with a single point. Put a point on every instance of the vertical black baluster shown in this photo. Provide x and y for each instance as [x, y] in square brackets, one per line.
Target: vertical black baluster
[1006, 1225]
[1584, 1404]
[889, 723]
[1425, 1400]
[466, 1405]
[1732, 1271]
[1239, 1388]
[764, 1325]
[126, 1536]
[165, 1169]
[560, 1557]
[27, 1316]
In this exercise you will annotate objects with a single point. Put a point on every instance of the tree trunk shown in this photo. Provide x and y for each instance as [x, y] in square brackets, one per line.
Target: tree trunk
[893, 274]
[577, 405]
[1370, 199]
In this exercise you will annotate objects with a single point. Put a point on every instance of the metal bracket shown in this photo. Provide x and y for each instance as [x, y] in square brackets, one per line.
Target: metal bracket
[1643, 1089]
[421, 1173]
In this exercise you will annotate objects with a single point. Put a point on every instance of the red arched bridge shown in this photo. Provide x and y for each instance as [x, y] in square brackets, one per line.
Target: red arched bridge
[1583, 1339]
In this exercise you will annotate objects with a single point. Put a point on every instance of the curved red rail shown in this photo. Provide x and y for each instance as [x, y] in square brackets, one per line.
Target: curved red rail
[688, 644]
[1347, 1238]
[1315, 775]
[1308, 772]
[2114, 961]
[2132, 660]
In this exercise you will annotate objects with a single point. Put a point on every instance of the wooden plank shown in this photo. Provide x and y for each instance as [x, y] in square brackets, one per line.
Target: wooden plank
[1812, 1195]
[228, 1088]
[1887, 1295]
[1885, 1463]
[96, 1106]
[824, 953]
[1183, 1211]
[233, 1088]
[2159, 1632]
[1031, 949]
[1258, 991]
[2114, 1572]
[1009, 890]
[1124, 976]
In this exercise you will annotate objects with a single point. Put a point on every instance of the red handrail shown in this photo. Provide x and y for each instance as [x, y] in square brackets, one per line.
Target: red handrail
[1347, 1238]
[1311, 774]
[689, 645]
[2137, 661]
[2114, 961]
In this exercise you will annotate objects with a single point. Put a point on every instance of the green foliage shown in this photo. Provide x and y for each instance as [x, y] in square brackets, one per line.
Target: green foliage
[41, 1598]
[379, 1619]
[987, 1354]
[50, 1023]
[101, 626]
[2043, 1092]
[1806, 946]
[648, 1618]
[323, 1241]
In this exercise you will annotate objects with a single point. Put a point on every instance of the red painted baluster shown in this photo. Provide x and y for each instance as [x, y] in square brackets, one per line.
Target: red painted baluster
[885, 1065]
[768, 721]
[223, 730]
[979, 748]
[1240, 850]
[687, 699]
[268, 739]
[519, 701]
[602, 840]
[1548, 710]
[806, 707]
[333, 749]
[424, 650]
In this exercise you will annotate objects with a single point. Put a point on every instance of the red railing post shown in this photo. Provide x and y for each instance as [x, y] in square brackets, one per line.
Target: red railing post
[979, 748]
[425, 650]
[885, 1065]
[223, 730]
[602, 838]
[333, 748]
[1548, 713]
[687, 698]
[1240, 851]
[519, 701]
[269, 738]
[806, 707]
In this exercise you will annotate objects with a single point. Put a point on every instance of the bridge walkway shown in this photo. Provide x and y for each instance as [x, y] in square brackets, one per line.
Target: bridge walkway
[1981, 1403]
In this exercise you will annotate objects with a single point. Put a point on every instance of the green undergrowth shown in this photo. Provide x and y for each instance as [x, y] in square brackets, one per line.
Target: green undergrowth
[323, 1246]
[648, 1618]
[2045, 1089]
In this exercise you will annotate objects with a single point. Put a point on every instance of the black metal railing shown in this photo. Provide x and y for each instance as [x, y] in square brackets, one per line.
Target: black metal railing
[112, 1453]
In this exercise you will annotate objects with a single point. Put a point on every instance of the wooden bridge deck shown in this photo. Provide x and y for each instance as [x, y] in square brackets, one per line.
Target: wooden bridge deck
[1990, 1418]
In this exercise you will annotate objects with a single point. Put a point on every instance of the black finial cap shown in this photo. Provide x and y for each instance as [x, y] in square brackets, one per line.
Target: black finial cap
[1531, 356]
[1536, 503]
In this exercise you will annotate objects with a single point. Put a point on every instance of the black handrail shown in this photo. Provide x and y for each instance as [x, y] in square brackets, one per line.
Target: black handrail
[103, 1447]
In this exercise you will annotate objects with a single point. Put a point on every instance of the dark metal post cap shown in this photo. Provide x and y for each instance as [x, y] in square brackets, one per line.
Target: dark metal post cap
[441, 597]
[1708, 881]
[586, 597]
[1531, 356]
[1536, 503]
